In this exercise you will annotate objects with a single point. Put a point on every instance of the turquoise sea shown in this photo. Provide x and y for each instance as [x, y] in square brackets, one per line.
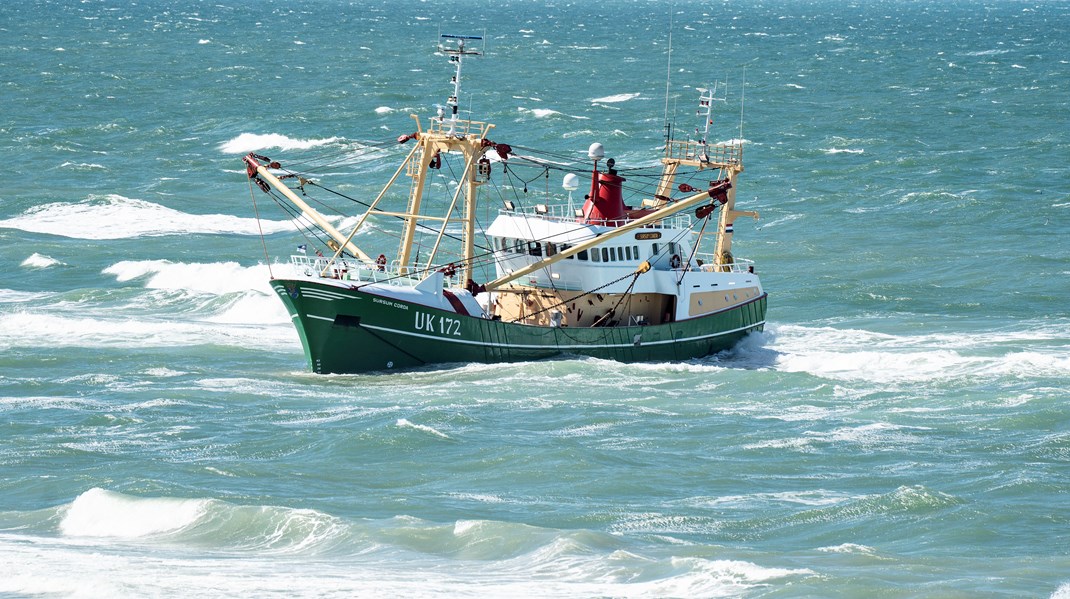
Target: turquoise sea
[901, 428]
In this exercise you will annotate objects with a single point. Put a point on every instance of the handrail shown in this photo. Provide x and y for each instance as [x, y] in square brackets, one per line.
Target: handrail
[559, 213]
[347, 269]
[715, 154]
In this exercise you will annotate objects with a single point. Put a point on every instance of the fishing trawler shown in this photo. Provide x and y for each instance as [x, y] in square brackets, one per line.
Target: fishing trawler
[654, 280]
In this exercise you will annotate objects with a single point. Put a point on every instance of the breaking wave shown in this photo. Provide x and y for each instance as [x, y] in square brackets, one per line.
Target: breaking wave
[113, 216]
[211, 547]
[614, 99]
[255, 142]
[880, 358]
[541, 113]
[215, 278]
[40, 261]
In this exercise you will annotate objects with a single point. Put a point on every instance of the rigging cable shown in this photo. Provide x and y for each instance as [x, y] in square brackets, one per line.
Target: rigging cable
[256, 212]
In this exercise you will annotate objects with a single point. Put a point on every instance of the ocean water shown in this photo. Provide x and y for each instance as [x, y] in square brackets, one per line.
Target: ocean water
[901, 428]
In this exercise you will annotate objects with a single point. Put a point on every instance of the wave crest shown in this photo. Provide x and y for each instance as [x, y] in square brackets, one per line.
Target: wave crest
[113, 216]
[254, 142]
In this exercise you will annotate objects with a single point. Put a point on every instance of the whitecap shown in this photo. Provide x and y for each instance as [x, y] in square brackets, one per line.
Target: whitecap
[542, 113]
[116, 217]
[214, 277]
[860, 355]
[735, 141]
[83, 166]
[847, 548]
[254, 142]
[101, 513]
[30, 329]
[615, 98]
[40, 261]
[403, 423]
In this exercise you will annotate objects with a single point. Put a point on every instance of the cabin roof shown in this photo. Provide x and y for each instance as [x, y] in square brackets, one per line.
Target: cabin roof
[534, 227]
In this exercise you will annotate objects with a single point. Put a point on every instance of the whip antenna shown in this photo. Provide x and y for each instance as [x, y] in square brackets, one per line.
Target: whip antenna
[668, 76]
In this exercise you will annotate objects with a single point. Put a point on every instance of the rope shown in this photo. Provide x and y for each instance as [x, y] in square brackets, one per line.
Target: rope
[694, 249]
[256, 212]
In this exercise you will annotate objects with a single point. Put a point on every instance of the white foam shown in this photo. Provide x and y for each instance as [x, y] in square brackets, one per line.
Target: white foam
[116, 217]
[541, 113]
[384, 110]
[255, 142]
[253, 309]
[10, 295]
[421, 427]
[214, 277]
[40, 261]
[27, 329]
[848, 548]
[735, 141]
[815, 498]
[1063, 592]
[859, 355]
[101, 513]
[163, 372]
[614, 98]
[478, 497]
[842, 151]
[256, 304]
[82, 166]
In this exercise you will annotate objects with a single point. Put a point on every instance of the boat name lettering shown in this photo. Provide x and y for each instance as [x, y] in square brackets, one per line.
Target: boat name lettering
[648, 235]
[389, 303]
[438, 324]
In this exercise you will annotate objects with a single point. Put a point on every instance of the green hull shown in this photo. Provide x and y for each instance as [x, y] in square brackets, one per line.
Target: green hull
[348, 330]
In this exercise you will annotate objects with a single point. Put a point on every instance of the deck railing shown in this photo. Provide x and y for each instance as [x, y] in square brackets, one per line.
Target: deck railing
[709, 264]
[570, 214]
[357, 271]
[459, 127]
[715, 154]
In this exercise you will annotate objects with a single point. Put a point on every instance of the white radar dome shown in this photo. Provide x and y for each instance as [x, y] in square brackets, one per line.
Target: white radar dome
[571, 182]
